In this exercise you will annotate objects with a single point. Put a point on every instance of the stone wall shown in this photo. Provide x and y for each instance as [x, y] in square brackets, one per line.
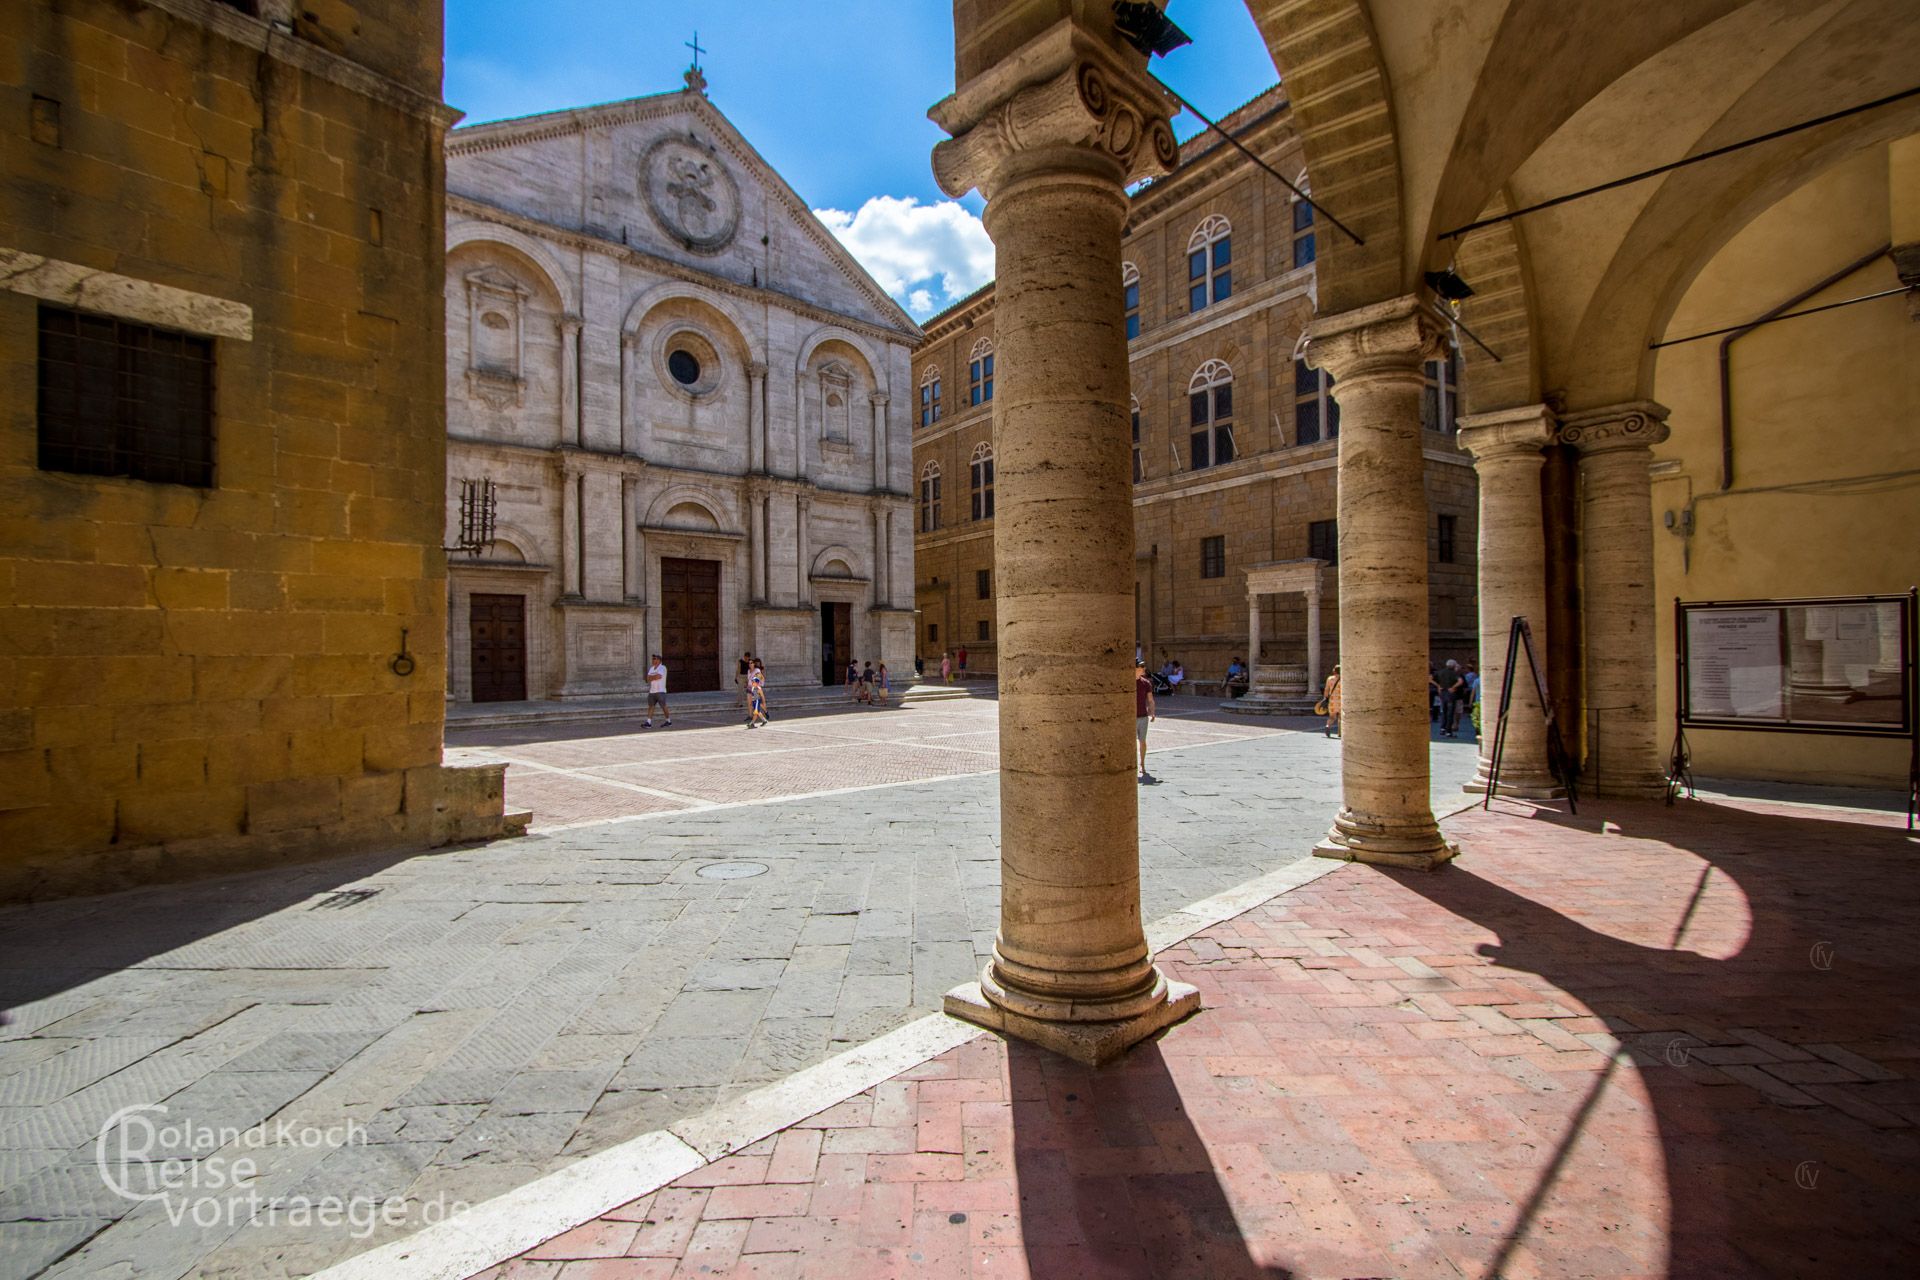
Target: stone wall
[201, 678]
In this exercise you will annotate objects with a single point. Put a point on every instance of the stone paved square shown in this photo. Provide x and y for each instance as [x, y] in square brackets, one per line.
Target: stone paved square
[490, 1013]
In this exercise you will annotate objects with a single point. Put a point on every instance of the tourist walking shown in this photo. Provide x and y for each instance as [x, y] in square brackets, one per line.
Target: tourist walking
[853, 672]
[961, 661]
[1330, 703]
[946, 668]
[1453, 697]
[882, 685]
[1143, 712]
[740, 680]
[657, 691]
[756, 695]
[865, 693]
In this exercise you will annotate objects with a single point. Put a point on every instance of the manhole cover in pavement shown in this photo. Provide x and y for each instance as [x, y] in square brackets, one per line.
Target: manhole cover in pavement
[733, 870]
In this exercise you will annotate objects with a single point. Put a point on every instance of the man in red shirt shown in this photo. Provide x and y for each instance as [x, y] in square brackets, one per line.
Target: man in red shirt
[1142, 713]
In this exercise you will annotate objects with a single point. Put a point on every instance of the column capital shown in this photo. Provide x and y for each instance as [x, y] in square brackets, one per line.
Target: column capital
[1385, 337]
[569, 324]
[1636, 424]
[1060, 101]
[630, 339]
[1518, 432]
[880, 397]
[757, 369]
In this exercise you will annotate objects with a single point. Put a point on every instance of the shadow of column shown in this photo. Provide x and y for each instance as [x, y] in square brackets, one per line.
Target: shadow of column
[1114, 1180]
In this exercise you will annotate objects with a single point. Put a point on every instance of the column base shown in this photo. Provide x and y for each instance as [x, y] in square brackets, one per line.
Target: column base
[1417, 850]
[1643, 787]
[1093, 1043]
[1528, 786]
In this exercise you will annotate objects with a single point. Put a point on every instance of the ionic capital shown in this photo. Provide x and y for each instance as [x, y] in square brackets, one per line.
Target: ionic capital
[1520, 432]
[569, 325]
[1065, 100]
[880, 398]
[757, 369]
[1395, 336]
[1637, 424]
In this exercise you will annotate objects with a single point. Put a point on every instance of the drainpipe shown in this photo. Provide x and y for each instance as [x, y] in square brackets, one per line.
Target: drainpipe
[1726, 352]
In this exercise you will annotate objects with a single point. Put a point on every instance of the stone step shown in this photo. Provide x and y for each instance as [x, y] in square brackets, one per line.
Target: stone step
[511, 714]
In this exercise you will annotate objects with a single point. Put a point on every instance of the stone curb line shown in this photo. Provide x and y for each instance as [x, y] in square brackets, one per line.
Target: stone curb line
[508, 1225]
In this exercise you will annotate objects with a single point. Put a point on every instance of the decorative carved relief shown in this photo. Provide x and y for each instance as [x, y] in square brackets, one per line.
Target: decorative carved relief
[496, 346]
[1637, 424]
[690, 193]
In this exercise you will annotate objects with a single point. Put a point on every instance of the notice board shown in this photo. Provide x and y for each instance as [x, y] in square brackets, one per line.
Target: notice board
[1821, 665]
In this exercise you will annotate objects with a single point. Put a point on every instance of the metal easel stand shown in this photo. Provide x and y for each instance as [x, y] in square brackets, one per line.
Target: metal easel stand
[1680, 762]
[1520, 639]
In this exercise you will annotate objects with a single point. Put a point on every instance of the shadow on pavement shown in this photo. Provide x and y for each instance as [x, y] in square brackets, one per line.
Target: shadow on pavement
[1761, 1180]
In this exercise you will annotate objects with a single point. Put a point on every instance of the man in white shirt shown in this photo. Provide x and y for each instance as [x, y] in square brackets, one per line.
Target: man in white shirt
[657, 690]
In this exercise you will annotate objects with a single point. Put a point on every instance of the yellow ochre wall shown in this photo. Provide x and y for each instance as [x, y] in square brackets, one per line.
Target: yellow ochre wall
[198, 679]
[1826, 413]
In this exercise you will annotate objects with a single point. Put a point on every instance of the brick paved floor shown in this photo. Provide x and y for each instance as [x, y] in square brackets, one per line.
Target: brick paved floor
[1650, 1042]
[494, 1013]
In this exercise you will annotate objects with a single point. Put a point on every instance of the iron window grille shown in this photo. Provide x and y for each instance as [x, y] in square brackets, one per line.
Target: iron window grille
[118, 398]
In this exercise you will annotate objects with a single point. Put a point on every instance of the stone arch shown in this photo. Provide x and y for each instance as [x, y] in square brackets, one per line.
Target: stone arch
[524, 543]
[1329, 59]
[837, 553]
[1210, 374]
[1129, 274]
[981, 347]
[707, 502]
[735, 325]
[1215, 226]
[532, 253]
[873, 365]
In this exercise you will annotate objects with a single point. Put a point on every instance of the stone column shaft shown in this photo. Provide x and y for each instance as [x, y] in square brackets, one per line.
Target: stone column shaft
[1253, 633]
[1375, 353]
[756, 417]
[1314, 678]
[571, 551]
[1616, 567]
[801, 553]
[1052, 154]
[570, 422]
[880, 441]
[1506, 447]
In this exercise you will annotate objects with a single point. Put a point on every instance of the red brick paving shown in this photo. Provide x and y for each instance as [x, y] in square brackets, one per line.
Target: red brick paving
[1542, 1061]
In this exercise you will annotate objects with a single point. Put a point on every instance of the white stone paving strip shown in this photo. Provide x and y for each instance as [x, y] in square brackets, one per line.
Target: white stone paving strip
[510, 1224]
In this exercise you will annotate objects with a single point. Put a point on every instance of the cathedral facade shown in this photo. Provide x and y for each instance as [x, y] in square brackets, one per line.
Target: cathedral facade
[673, 423]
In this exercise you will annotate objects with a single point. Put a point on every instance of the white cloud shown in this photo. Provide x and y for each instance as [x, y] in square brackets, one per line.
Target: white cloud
[925, 255]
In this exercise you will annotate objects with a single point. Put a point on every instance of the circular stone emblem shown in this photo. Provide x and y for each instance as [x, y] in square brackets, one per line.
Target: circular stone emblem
[732, 870]
[690, 193]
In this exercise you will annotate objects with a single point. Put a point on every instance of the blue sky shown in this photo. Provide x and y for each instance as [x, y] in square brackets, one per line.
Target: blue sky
[834, 93]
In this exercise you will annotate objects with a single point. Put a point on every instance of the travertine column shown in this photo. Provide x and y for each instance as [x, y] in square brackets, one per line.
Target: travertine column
[1314, 678]
[802, 552]
[1375, 353]
[757, 417]
[1253, 634]
[570, 428]
[880, 441]
[629, 344]
[1616, 569]
[571, 548]
[1506, 448]
[1051, 136]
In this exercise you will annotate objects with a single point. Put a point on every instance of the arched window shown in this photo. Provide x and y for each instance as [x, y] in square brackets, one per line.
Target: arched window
[1302, 226]
[1138, 476]
[1440, 397]
[1316, 415]
[1210, 413]
[982, 467]
[1210, 263]
[930, 497]
[930, 396]
[980, 373]
[1130, 282]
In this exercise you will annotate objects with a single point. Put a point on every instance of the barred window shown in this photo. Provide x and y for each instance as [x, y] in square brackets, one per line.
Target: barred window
[1213, 557]
[1323, 540]
[119, 398]
[983, 583]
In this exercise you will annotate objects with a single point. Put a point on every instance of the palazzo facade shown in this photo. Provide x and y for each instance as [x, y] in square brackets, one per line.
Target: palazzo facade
[1235, 437]
[682, 391]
